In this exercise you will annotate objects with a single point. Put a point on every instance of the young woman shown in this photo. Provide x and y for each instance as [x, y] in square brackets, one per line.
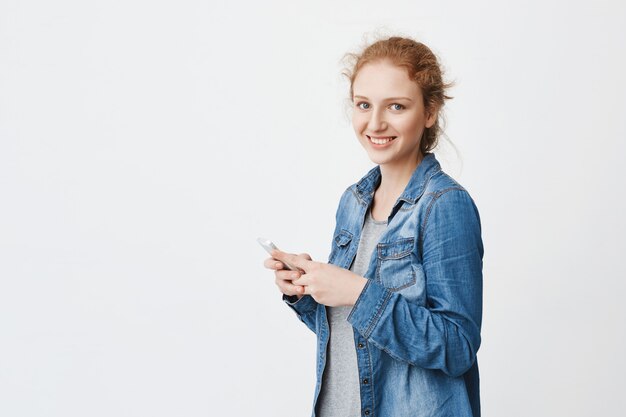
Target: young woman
[397, 309]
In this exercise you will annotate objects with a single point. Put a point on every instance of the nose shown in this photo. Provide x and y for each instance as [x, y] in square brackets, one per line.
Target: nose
[376, 122]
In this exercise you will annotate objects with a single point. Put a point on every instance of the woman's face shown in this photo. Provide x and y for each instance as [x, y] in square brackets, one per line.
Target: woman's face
[387, 104]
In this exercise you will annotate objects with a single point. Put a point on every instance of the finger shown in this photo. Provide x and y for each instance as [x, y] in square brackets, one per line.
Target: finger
[306, 255]
[297, 289]
[291, 259]
[305, 290]
[303, 280]
[271, 263]
[287, 288]
[287, 275]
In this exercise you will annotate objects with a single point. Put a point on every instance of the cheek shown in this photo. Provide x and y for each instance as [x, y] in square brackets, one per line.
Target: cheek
[358, 123]
[411, 125]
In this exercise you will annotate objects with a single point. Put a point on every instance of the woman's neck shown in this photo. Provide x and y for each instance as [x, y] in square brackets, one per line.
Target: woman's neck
[394, 179]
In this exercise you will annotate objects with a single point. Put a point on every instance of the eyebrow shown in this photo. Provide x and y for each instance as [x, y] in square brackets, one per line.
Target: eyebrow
[387, 99]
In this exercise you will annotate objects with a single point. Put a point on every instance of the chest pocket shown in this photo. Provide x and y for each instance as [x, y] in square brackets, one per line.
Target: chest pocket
[393, 265]
[341, 244]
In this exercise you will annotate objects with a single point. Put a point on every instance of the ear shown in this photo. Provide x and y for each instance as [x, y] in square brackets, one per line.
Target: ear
[431, 116]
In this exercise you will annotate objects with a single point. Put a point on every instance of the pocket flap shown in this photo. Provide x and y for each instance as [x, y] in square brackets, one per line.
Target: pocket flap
[343, 238]
[395, 250]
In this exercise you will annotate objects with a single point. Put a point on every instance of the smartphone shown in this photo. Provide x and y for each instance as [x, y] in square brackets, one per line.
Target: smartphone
[269, 246]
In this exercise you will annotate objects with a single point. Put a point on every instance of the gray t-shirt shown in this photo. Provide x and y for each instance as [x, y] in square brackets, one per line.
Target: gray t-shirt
[340, 391]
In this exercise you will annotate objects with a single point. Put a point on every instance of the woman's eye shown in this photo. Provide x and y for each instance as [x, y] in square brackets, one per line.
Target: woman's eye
[400, 106]
[362, 108]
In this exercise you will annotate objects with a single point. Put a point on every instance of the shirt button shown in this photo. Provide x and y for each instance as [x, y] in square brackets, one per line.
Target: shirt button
[360, 345]
[366, 412]
[365, 381]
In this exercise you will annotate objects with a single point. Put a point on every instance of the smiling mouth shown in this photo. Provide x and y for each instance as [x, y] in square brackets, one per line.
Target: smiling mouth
[381, 140]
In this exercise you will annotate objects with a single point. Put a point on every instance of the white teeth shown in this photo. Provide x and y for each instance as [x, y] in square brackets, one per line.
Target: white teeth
[380, 141]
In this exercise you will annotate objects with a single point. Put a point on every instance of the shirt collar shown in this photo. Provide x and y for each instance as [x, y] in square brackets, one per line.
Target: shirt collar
[427, 168]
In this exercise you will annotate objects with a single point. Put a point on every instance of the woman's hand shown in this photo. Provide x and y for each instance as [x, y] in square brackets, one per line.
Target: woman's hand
[326, 283]
[284, 277]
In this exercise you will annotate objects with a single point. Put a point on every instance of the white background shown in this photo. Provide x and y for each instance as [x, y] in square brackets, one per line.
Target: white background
[144, 145]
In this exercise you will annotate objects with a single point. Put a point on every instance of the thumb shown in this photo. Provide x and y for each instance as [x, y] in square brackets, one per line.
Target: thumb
[289, 258]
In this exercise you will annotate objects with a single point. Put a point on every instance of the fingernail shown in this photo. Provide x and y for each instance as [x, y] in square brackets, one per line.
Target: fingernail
[294, 276]
[277, 264]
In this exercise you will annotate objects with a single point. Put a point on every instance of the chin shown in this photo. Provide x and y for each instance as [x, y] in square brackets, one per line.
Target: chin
[377, 159]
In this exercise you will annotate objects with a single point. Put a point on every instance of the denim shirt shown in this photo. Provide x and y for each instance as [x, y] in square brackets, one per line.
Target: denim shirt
[417, 320]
